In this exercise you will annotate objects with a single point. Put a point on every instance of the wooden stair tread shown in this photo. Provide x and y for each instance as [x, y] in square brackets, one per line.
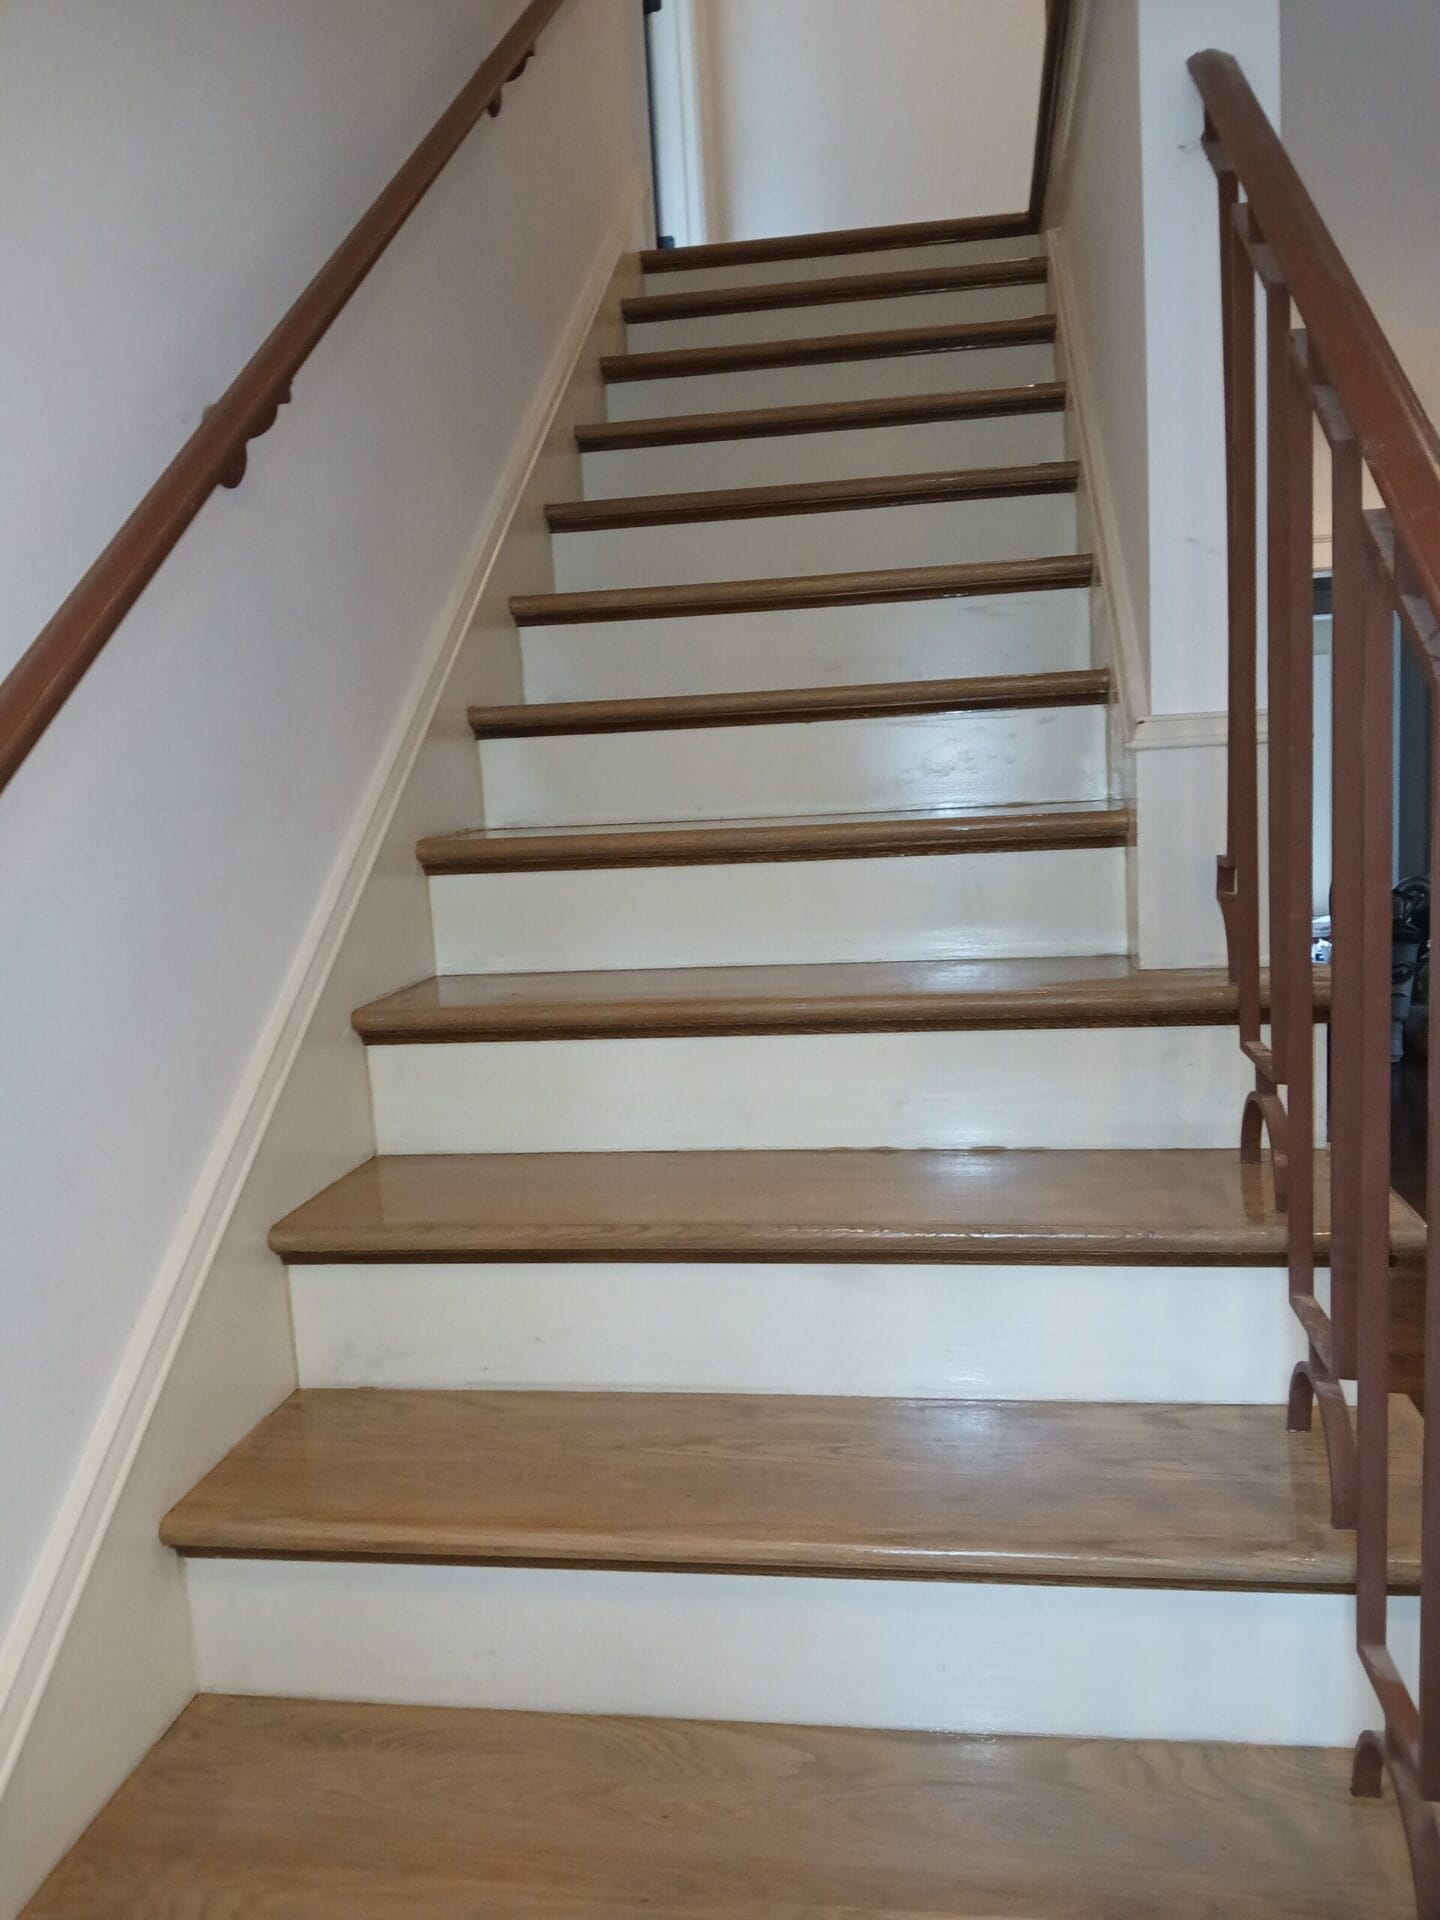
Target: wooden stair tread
[813, 496]
[840, 240]
[319, 1810]
[873, 587]
[828, 416]
[815, 837]
[1026, 270]
[1083, 686]
[951, 1489]
[829, 349]
[843, 997]
[1156, 1207]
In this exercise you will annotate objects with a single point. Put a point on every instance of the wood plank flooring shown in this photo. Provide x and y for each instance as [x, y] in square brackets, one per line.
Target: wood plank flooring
[912, 1489]
[304, 1810]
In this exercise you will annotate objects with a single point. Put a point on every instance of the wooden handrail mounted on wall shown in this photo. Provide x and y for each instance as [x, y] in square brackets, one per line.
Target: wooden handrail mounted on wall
[215, 454]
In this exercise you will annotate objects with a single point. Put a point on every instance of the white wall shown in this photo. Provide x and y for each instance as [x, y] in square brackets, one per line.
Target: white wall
[1147, 305]
[174, 173]
[842, 113]
[1358, 94]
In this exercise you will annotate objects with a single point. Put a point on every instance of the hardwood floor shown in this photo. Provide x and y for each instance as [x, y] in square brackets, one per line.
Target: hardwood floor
[1098, 1494]
[303, 1810]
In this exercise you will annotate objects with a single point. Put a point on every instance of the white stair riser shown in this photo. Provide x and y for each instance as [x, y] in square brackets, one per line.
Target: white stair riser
[808, 647]
[930, 446]
[948, 309]
[766, 273]
[998, 759]
[927, 534]
[1221, 1335]
[838, 380]
[1113, 1662]
[1026, 1087]
[962, 906]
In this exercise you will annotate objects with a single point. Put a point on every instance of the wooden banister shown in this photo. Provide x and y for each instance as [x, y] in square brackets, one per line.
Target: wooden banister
[215, 454]
[1398, 441]
[1335, 368]
[1052, 76]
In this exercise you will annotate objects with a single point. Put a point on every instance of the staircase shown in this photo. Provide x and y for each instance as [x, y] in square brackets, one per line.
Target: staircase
[790, 1420]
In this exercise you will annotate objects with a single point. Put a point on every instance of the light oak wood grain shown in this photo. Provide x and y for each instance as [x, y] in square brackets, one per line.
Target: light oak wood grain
[850, 997]
[306, 1810]
[830, 416]
[840, 240]
[833, 349]
[1142, 1207]
[1027, 270]
[1092, 1494]
[862, 837]
[875, 587]
[813, 496]
[1081, 686]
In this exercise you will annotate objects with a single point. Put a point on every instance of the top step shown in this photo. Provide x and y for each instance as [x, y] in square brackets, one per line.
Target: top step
[840, 241]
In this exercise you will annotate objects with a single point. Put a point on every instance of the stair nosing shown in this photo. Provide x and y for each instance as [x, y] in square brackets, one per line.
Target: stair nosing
[838, 349]
[253, 1511]
[786, 593]
[1019, 692]
[650, 309]
[1180, 1000]
[342, 1225]
[828, 416]
[833, 242]
[743, 842]
[807, 497]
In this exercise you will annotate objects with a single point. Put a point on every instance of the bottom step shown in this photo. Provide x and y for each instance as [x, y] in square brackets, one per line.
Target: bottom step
[296, 1808]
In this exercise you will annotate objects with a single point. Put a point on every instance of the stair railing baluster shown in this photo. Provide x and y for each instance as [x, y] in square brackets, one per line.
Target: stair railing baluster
[1337, 368]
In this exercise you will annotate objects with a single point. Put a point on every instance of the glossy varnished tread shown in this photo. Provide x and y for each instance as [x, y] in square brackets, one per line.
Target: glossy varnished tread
[840, 240]
[875, 587]
[830, 416]
[849, 997]
[909, 1489]
[311, 1810]
[1082, 686]
[1029, 270]
[827, 349]
[1171, 1207]
[727, 843]
[813, 496]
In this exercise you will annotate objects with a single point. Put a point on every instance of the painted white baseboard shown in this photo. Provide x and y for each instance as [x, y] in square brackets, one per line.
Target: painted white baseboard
[1119, 1662]
[1223, 1335]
